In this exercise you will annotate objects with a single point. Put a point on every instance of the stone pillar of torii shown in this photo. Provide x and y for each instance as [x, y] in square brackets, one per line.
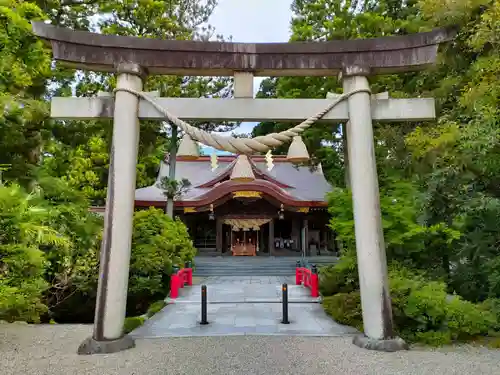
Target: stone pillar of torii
[132, 59]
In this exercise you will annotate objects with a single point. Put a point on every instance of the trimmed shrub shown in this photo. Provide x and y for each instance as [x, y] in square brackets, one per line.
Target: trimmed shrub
[420, 305]
[422, 309]
[158, 243]
[341, 277]
[345, 308]
[492, 306]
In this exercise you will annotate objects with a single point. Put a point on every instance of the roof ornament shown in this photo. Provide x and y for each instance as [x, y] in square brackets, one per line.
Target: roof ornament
[242, 170]
[214, 161]
[188, 148]
[297, 152]
[269, 160]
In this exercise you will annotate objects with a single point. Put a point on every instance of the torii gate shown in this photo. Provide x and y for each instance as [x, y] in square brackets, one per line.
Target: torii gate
[133, 58]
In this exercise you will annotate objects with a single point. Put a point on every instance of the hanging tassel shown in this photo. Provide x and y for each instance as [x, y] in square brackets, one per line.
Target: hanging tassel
[214, 161]
[269, 160]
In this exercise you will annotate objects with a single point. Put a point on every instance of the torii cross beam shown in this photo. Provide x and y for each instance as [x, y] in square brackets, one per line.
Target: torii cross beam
[133, 58]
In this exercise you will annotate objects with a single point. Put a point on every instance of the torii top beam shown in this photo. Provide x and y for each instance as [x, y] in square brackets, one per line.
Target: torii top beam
[98, 52]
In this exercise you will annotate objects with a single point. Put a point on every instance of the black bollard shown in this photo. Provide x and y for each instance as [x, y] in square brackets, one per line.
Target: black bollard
[314, 269]
[204, 305]
[284, 289]
[298, 264]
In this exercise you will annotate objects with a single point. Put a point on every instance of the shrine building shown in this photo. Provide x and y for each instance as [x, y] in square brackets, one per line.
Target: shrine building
[242, 205]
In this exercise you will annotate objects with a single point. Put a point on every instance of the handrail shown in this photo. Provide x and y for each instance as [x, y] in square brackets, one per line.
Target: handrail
[179, 279]
[308, 278]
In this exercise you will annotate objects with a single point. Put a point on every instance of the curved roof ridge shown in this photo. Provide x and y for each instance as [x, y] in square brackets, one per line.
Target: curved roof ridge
[268, 177]
[219, 177]
[263, 186]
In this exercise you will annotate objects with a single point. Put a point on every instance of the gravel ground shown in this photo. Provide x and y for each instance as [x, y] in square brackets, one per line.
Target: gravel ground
[51, 350]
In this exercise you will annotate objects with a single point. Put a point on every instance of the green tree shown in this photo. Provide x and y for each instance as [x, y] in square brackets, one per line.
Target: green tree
[24, 69]
[447, 174]
[24, 231]
[178, 19]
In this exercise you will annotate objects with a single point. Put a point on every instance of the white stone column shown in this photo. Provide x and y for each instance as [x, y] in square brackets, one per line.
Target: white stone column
[108, 333]
[345, 141]
[370, 248]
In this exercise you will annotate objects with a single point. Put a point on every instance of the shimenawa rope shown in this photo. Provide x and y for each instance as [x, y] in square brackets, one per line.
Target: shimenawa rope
[241, 145]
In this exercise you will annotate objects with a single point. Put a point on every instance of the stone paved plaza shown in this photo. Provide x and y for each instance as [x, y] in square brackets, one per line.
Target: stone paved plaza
[242, 306]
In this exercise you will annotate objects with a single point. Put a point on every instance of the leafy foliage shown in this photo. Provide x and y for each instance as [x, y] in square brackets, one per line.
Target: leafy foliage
[423, 311]
[174, 188]
[49, 254]
[52, 170]
[345, 308]
[438, 182]
[23, 230]
[24, 68]
[158, 243]
[339, 278]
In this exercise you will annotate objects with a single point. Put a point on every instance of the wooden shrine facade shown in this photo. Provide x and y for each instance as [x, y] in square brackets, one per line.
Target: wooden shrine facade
[241, 207]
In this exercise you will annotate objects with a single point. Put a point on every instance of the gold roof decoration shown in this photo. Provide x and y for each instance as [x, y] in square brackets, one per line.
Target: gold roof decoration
[246, 224]
[242, 170]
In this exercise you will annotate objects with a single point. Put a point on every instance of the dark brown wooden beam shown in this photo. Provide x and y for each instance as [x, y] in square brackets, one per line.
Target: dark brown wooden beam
[99, 52]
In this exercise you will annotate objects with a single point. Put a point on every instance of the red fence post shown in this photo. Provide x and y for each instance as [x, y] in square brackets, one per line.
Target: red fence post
[182, 277]
[190, 276]
[174, 286]
[314, 282]
[314, 285]
[307, 277]
[298, 274]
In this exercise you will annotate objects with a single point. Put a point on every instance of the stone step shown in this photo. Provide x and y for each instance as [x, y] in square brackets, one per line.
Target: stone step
[252, 266]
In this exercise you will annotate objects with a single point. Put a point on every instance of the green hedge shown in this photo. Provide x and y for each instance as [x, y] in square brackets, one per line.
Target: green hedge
[49, 252]
[422, 310]
[345, 308]
[341, 277]
[158, 243]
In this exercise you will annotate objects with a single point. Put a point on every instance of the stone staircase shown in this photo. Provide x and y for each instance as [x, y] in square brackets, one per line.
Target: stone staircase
[252, 266]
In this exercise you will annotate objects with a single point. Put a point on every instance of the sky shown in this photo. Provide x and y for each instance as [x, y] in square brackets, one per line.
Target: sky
[253, 21]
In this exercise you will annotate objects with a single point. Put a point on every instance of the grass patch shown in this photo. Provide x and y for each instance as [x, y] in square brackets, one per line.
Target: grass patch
[155, 307]
[132, 323]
